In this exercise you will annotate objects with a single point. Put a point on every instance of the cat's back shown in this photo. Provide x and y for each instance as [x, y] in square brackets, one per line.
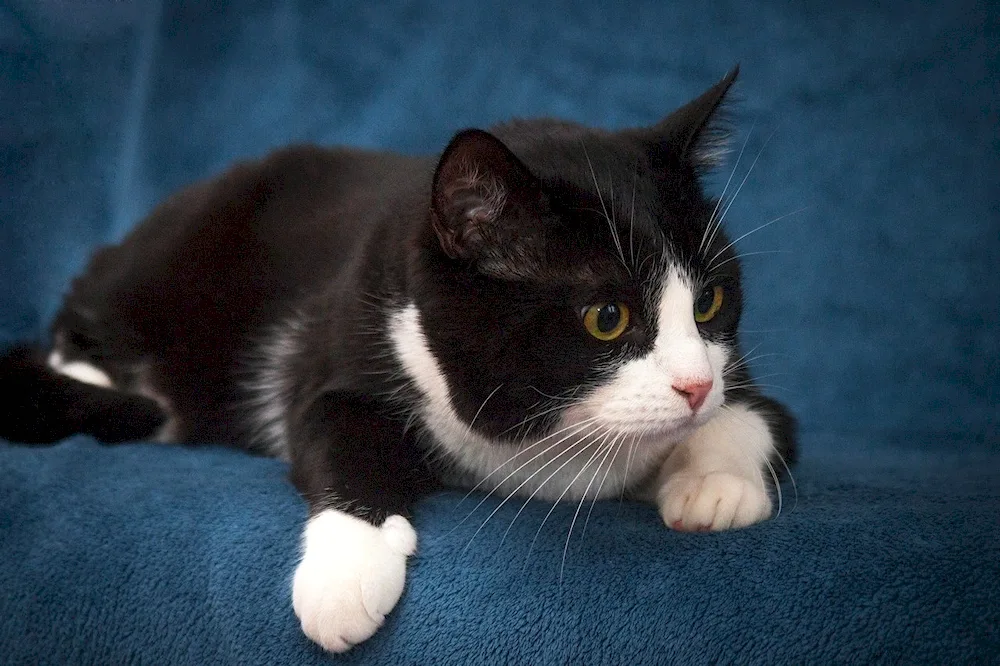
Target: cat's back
[302, 210]
[262, 230]
[212, 268]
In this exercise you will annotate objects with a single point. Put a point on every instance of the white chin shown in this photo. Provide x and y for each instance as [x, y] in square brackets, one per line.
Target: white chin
[667, 429]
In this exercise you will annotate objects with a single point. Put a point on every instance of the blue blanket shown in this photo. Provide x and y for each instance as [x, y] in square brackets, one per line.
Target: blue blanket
[876, 306]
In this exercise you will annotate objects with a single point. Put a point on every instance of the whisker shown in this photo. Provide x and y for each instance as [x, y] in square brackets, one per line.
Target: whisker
[606, 434]
[524, 483]
[628, 463]
[745, 385]
[767, 463]
[577, 428]
[732, 200]
[772, 374]
[741, 358]
[631, 222]
[558, 499]
[755, 464]
[795, 487]
[621, 445]
[766, 376]
[583, 498]
[777, 486]
[711, 219]
[773, 450]
[719, 265]
[745, 361]
[755, 362]
[611, 189]
[533, 417]
[753, 231]
[468, 430]
[600, 196]
[569, 398]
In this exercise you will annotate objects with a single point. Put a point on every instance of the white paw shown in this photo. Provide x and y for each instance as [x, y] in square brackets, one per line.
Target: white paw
[716, 501]
[351, 575]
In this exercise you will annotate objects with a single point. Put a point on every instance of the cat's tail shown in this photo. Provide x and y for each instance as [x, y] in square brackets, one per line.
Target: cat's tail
[38, 405]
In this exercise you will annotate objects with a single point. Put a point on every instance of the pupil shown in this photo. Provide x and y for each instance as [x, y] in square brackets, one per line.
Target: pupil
[608, 317]
[705, 301]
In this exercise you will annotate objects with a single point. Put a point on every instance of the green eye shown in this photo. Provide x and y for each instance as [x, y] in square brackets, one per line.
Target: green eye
[606, 321]
[708, 304]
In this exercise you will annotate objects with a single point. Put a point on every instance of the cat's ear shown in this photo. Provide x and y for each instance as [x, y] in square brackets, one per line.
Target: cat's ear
[696, 133]
[478, 183]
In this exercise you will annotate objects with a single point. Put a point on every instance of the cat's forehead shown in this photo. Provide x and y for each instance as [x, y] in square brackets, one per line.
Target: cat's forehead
[558, 151]
[624, 232]
[631, 220]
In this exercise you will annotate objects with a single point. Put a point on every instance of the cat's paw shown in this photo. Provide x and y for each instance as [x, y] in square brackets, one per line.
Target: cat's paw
[712, 502]
[351, 575]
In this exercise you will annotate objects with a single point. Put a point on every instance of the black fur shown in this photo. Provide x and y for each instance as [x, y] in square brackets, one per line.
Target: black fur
[40, 406]
[500, 243]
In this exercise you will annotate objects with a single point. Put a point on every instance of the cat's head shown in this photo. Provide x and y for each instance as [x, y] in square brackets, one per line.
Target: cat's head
[577, 275]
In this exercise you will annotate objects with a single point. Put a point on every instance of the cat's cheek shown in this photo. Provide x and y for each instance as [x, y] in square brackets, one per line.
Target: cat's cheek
[351, 575]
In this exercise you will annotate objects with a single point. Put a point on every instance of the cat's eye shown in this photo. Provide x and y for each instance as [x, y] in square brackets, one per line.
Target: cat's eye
[708, 304]
[606, 321]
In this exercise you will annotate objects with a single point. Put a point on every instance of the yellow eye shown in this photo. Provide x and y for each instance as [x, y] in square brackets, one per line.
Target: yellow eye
[606, 321]
[708, 304]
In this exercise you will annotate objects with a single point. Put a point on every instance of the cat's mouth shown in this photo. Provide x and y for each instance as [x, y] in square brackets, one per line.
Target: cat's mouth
[670, 426]
[674, 429]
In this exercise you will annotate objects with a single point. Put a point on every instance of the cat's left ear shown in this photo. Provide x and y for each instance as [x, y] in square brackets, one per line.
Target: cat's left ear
[478, 186]
[695, 134]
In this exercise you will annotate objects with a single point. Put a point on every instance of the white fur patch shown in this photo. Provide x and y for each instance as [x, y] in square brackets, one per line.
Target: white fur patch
[351, 575]
[713, 480]
[79, 370]
[268, 387]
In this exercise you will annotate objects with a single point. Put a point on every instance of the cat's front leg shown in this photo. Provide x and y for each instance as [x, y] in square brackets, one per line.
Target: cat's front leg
[360, 474]
[719, 478]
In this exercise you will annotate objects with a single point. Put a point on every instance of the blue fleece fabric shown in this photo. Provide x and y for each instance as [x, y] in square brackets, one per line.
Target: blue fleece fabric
[880, 305]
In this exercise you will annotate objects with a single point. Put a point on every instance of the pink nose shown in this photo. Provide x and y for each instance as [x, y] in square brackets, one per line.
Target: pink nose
[694, 391]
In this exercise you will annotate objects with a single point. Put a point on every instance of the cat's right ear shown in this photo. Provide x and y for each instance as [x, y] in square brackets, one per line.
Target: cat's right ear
[696, 133]
[478, 183]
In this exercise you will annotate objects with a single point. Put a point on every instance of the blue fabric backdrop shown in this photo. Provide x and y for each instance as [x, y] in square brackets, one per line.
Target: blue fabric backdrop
[880, 308]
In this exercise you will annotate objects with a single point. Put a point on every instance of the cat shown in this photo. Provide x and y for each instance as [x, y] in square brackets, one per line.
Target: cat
[541, 303]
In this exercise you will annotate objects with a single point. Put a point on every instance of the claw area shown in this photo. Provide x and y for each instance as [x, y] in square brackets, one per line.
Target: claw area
[712, 502]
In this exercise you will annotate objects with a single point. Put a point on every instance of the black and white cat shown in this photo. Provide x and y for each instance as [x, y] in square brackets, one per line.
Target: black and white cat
[540, 305]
